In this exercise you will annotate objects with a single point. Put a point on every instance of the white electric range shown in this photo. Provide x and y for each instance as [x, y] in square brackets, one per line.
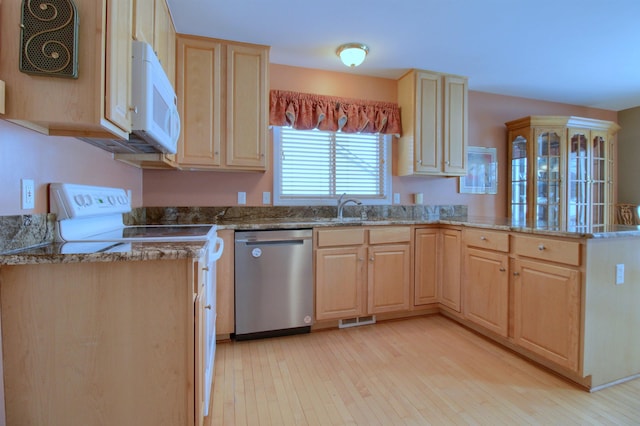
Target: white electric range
[90, 218]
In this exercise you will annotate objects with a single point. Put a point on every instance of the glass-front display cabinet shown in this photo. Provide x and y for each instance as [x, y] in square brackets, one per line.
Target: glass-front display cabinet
[561, 172]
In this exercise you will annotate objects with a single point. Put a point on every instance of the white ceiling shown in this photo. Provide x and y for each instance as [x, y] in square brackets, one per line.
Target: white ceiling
[581, 52]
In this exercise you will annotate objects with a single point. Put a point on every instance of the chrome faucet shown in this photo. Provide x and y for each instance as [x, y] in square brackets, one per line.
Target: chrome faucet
[342, 203]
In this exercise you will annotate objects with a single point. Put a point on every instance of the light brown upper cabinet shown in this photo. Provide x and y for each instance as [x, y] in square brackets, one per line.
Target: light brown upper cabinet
[434, 110]
[561, 172]
[222, 92]
[96, 104]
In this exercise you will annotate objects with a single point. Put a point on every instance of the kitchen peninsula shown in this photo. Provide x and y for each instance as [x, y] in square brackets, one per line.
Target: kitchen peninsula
[548, 294]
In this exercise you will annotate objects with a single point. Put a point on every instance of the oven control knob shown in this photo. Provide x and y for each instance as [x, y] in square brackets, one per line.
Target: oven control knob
[79, 199]
[256, 252]
[111, 199]
[87, 200]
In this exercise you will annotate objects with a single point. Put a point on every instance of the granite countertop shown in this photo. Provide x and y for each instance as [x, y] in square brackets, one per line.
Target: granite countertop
[53, 253]
[500, 224]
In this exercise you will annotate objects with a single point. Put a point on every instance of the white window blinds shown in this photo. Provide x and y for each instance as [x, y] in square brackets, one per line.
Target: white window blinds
[315, 165]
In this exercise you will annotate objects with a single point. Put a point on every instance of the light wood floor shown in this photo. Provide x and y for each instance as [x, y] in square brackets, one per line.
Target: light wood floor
[426, 370]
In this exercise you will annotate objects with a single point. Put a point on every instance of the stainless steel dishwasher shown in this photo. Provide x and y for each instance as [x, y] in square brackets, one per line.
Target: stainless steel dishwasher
[273, 283]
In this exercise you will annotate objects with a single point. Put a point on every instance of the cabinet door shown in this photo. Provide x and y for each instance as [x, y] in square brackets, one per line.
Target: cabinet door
[164, 39]
[225, 300]
[339, 282]
[143, 20]
[428, 125]
[198, 78]
[247, 106]
[455, 126]
[486, 290]
[449, 292]
[426, 266]
[118, 64]
[389, 278]
[200, 345]
[547, 311]
[548, 190]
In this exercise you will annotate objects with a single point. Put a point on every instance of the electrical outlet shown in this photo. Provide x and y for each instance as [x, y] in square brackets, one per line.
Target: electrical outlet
[28, 194]
[266, 198]
[396, 198]
[242, 198]
[620, 273]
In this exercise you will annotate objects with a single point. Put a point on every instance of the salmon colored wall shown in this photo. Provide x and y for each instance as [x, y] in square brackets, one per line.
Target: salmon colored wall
[487, 115]
[45, 159]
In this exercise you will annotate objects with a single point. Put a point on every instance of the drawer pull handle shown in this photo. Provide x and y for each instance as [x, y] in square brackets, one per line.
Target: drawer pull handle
[541, 247]
[208, 307]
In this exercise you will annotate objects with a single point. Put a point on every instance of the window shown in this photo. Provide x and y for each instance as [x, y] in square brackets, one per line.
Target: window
[316, 167]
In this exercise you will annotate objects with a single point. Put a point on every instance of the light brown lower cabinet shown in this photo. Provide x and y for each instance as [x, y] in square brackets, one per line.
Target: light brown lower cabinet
[437, 267]
[547, 311]
[486, 289]
[225, 286]
[449, 286]
[109, 343]
[339, 282]
[361, 271]
[427, 261]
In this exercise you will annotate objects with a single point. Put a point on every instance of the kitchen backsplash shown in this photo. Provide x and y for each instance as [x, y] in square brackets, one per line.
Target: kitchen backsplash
[221, 215]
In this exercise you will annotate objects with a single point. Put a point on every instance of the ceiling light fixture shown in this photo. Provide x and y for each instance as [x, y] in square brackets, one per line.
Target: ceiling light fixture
[352, 54]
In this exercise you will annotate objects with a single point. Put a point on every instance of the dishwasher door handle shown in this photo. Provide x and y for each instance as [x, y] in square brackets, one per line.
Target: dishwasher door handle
[272, 243]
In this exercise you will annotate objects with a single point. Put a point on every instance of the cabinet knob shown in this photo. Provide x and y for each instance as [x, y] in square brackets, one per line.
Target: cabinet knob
[361, 259]
[502, 269]
[133, 109]
[541, 247]
[483, 238]
[447, 163]
[371, 258]
[205, 268]
[516, 274]
[207, 307]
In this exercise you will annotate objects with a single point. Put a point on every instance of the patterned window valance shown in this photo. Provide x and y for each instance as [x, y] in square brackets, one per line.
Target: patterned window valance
[304, 111]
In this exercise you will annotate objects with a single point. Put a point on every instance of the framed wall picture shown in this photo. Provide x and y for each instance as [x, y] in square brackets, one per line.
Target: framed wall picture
[482, 171]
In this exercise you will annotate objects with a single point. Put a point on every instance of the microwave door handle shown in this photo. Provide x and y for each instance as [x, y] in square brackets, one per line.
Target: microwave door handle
[171, 124]
[176, 121]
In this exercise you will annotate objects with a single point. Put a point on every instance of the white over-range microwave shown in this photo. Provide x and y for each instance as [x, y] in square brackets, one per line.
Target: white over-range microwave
[155, 117]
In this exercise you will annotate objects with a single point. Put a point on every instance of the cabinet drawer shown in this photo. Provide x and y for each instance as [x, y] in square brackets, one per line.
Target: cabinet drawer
[340, 237]
[567, 252]
[389, 234]
[491, 240]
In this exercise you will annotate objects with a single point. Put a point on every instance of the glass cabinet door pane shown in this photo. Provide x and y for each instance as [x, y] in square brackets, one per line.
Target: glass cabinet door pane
[548, 194]
[519, 179]
[598, 180]
[578, 180]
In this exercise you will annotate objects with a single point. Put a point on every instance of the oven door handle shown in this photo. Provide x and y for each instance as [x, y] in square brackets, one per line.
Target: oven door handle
[217, 254]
